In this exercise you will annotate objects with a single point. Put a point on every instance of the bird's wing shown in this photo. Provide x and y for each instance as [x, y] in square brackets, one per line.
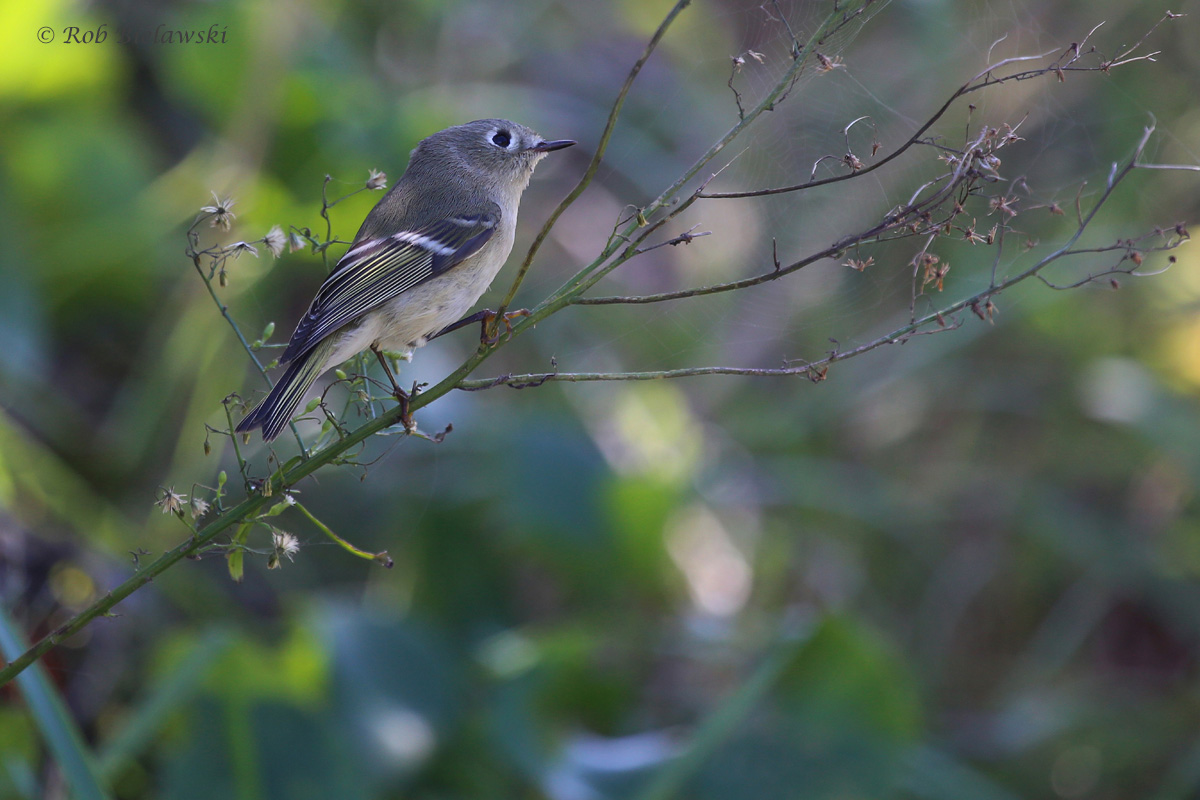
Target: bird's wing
[374, 271]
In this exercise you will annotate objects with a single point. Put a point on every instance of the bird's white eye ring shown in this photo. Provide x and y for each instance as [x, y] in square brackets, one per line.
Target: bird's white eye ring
[502, 138]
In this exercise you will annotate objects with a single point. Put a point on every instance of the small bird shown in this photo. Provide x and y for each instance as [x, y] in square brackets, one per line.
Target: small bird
[423, 256]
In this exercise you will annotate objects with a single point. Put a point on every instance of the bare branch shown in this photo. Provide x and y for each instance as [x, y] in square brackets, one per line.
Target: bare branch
[684, 238]
[1172, 167]
[967, 168]
[738, 63]
[931, 212]
[537, 379]
[597, 157]
[898, 220]
[983, 80]
[838, 21]
[217, 261]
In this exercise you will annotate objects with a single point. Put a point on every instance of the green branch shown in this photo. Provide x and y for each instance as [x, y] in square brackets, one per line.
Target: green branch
[288, 475]
[601, 148]
[234, 516]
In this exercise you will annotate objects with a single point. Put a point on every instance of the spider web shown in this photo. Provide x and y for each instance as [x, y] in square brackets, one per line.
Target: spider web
[891, 78]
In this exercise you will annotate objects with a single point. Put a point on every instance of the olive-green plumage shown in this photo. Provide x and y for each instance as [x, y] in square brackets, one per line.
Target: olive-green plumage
[423, 256]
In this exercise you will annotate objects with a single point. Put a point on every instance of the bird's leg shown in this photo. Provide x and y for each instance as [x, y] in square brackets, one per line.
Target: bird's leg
[387, 370]
[485, 317]
[401, 396]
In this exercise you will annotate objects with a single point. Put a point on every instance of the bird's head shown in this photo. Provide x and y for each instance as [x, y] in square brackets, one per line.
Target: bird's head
[499, 150]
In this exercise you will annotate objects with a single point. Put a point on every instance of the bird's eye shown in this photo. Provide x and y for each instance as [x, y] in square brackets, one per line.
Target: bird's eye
[501, 139]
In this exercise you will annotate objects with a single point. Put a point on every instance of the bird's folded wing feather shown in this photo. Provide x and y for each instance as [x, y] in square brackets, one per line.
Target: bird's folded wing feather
[374, 271]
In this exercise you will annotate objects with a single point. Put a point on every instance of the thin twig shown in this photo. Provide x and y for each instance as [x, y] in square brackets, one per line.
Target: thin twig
[587, 277]
[982, 80]
[597, 157]
[196, 256]
[916, 219]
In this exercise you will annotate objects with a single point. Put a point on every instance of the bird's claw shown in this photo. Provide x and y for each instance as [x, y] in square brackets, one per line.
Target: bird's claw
[401, 396]
[406, 417]
[507, 318]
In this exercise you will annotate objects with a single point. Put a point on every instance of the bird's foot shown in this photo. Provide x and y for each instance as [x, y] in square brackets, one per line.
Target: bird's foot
[402, 397]
[507, 319]
[405, 400]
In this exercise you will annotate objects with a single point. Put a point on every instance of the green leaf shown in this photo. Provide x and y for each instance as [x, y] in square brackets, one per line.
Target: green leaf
[848, 678]
[19, 753]
[52, 718]
[236, 565]
[238, 553]
[168, 695]
[638, 508]
[279, 508]
[936, 775]
[720, 725]
[826, 717]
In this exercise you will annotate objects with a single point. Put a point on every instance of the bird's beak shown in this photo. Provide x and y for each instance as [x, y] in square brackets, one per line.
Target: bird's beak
[557, 144]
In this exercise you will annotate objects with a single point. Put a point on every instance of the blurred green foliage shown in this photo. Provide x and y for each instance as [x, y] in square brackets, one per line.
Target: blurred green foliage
[961, 568]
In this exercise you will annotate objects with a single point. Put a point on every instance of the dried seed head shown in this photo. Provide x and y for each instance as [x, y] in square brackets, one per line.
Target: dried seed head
[284, 545]
[237, 248]
[376, 180]
[275, 240]
[222, 216]
[199, 507]
[1003, 204]
[171, 502]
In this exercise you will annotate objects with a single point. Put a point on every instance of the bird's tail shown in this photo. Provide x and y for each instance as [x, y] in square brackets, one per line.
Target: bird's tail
[275, 410]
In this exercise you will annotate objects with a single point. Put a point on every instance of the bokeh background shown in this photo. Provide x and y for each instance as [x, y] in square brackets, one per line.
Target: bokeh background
[961, 568]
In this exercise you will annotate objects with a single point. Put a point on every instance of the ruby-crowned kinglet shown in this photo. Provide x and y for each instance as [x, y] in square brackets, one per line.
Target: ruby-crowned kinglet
[423, 256]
